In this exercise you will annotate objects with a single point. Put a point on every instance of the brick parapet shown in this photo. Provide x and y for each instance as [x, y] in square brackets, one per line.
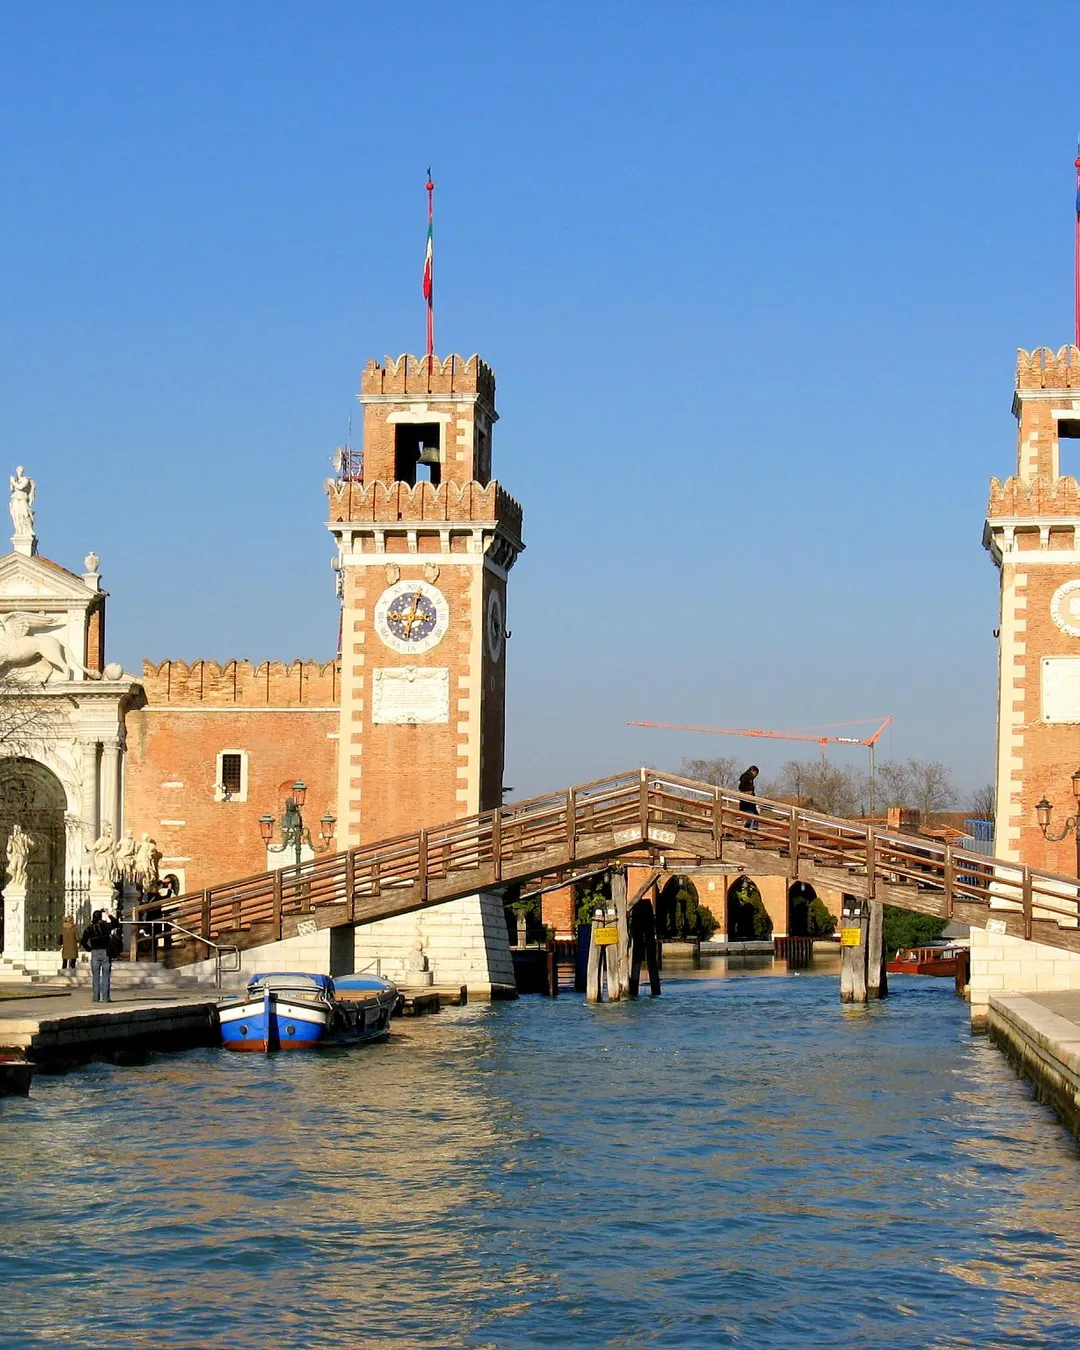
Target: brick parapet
[392, 503]
[1044, 368]
[412, 375]
[277, 684]
[1013, 498]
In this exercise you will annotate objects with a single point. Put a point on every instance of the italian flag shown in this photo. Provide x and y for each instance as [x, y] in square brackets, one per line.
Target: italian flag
[429, 271]
[429, 256]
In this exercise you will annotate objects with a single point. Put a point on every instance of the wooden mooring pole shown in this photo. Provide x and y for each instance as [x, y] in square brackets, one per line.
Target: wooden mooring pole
[877, 981]
[854, 949]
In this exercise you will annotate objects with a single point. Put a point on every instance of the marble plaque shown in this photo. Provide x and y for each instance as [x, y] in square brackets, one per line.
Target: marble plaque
[1061, 689]
[410, 695]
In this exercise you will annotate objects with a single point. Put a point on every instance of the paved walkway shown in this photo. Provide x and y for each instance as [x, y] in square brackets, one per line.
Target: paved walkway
[39, 1008]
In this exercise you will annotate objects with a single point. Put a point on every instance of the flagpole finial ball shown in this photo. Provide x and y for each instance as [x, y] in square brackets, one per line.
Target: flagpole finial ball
[1076, 163]
[431, 185]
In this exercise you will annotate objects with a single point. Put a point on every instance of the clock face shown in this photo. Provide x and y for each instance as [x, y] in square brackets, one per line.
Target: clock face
[493, 624]
[412, 616]
[1065, 608]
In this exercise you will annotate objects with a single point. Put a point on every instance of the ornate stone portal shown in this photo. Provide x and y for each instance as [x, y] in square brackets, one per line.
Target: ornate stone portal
[61, 739]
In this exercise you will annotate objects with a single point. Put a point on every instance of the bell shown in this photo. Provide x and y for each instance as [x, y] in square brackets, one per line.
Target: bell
[429, 455]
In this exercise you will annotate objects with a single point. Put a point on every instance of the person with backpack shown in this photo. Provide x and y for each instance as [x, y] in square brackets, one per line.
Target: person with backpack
[99, 939]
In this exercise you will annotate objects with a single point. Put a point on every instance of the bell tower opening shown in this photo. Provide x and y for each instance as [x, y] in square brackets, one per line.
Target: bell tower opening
[417, 453]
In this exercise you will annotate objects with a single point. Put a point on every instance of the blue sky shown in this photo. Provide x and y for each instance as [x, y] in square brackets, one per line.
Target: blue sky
[751, 277]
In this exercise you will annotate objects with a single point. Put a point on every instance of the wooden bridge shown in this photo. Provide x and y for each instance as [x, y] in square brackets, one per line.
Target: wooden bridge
[645, 816]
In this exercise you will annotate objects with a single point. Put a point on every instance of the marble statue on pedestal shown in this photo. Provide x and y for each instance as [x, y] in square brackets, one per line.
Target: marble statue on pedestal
[103, 853]
[126, 850]
[21, 506]
[416, 966]
[147, 858]
[19, 845]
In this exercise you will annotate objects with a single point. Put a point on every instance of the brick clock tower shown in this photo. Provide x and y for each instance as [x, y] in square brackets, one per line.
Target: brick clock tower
[426, 539]
[1033, 534]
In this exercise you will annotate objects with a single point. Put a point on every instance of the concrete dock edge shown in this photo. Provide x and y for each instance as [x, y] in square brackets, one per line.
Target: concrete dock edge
[1044, 1047]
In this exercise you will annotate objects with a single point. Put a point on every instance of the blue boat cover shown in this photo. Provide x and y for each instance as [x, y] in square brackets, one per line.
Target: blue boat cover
[362, 982]
[278, 979]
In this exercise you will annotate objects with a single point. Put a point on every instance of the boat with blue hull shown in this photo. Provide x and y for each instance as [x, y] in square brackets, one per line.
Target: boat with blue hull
[297, 1011]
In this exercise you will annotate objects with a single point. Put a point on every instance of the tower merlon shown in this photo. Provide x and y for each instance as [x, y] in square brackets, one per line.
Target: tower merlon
[414, 376]
[394, 504]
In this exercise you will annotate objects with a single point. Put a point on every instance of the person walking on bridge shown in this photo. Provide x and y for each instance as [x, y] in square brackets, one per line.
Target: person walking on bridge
[746, 784]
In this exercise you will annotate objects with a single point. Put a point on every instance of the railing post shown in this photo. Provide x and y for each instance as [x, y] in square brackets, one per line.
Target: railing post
[643, 806]
[421, 878]
[571, 824]
[871, 863]
[1027, 903]
[793, 843]
[204, 917]
[277, 905]
[496, 842]
[950, 879]
[350, 882]
[718, 824]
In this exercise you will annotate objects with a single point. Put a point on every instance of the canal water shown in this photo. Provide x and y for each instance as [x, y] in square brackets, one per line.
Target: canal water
[741, 1162]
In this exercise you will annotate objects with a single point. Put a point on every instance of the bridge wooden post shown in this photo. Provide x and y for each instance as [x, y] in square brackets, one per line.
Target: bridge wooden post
[877, 979]
[793, 844]
[204, 917]
[571, 824]
[619, 955]
[1027, 902]
[643, 806]
[421, 865]
[350, 882]
[949, 880]
[854, 926]
[277, 905]
[496, 843]
[718, 824]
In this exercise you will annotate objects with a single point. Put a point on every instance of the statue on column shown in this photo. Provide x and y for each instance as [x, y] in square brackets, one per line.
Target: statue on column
[23, 492]
[146, 864]
[103, 852]
[19, 845]
[126, 850]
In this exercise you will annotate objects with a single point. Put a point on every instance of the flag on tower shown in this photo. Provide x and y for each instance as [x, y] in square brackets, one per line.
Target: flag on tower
[429, 268]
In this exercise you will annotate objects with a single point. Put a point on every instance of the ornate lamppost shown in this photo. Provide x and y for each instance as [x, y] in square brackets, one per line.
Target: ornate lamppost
[294, 833]
[1044, 810]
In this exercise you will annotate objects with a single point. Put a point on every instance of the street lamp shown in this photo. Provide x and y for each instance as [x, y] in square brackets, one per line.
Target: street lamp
[294, 833]
[1044, 810]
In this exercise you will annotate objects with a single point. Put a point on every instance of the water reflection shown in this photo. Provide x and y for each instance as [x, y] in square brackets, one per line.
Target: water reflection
[742, 1160]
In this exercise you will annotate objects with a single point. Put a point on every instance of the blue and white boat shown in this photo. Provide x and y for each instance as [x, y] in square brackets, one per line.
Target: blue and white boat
[297, 1011]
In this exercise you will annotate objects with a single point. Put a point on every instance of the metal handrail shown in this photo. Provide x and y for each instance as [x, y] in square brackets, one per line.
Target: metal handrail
[220, 949]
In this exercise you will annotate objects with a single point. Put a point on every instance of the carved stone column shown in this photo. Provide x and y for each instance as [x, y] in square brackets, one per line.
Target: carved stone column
[90, 803]
[110, 786]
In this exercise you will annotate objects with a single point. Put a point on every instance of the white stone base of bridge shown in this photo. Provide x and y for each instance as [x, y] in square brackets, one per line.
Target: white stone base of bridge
[465, 942]
[1001, 964]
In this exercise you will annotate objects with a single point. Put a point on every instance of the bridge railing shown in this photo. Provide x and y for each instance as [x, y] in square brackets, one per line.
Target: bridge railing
[604, 818]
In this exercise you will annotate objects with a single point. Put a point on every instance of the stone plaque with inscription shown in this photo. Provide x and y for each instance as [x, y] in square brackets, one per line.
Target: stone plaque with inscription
[410, 694]
[1061, 688]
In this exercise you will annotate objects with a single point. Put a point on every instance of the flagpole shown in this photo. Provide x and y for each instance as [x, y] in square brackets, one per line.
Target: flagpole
[1076, 255]
[429, 270]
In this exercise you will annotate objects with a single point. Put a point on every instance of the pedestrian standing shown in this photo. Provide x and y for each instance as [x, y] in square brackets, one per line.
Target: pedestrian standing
[746, 784]
[98, 938]
[69, 943]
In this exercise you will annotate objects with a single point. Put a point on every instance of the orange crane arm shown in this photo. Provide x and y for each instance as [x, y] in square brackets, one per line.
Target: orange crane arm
[760, 733]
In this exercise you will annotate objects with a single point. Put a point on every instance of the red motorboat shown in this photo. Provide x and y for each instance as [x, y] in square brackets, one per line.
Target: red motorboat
[933, 959]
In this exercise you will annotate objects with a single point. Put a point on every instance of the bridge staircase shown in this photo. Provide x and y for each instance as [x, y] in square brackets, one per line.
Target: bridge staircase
[646, 817]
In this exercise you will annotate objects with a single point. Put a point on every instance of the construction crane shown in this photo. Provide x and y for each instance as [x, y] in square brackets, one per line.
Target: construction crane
[806, 734]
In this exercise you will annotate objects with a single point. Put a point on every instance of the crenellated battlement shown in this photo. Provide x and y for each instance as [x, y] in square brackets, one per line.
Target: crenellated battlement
[276, 684]
[1044, 368]
[393, 503]
[1014, 498]
[415, 375]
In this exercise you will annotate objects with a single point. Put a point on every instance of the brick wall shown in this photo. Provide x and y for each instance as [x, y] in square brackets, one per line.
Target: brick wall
[271, 715]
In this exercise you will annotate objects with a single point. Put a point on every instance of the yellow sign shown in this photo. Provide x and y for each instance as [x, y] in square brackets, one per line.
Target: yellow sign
[849, 937]
[606, 937]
